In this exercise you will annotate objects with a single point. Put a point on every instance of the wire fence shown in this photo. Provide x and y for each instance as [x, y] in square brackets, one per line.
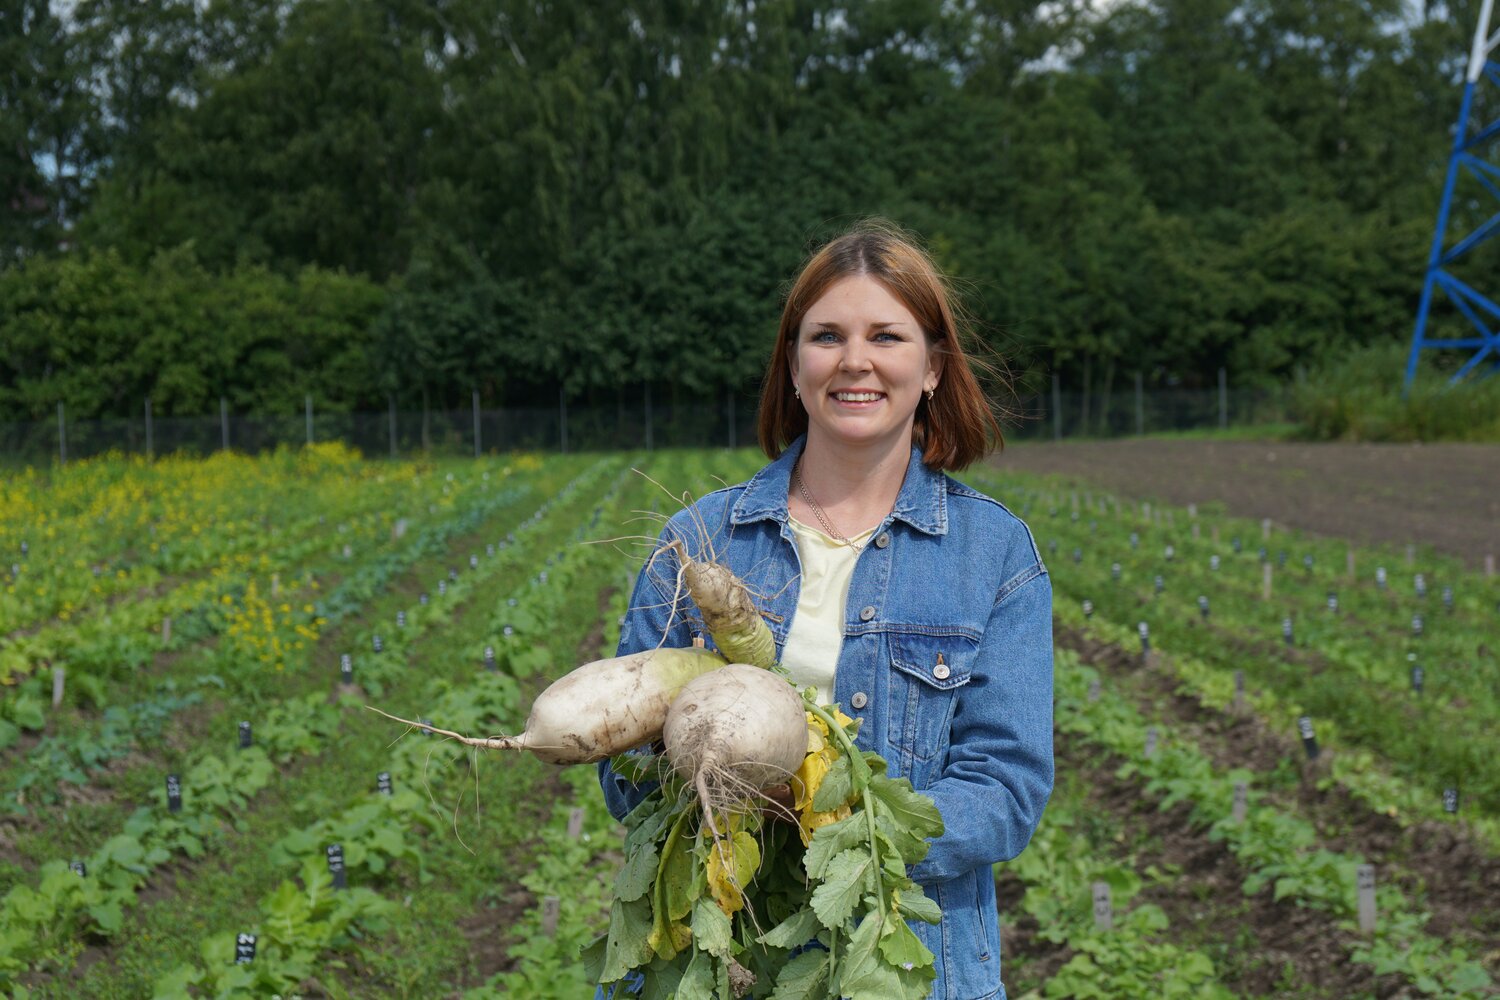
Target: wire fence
[588, 426]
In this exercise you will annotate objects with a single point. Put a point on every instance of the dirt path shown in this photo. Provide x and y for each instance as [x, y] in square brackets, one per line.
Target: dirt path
[1444, 495]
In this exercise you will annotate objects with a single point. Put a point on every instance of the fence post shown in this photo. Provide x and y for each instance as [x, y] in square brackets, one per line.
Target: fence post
[476, 424]
[150, 448]
[223, 424]
[562, 421]
[1223, 399]
[392, 400]
[731, 420]
[1140, 404]
[62, 436]
[1056, 407]
[648, 416]
[307, 403]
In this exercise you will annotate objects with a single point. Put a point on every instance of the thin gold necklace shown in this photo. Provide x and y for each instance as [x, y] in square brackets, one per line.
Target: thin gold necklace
[818, 511]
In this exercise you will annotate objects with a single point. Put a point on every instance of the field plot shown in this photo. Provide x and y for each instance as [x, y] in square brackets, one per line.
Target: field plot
[1443, 495]
[207, 809]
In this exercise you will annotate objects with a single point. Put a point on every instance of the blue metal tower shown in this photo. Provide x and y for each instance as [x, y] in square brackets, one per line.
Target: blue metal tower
[1479, 309]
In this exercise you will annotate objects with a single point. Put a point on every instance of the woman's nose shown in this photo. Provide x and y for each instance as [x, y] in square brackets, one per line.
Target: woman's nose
[854, 357]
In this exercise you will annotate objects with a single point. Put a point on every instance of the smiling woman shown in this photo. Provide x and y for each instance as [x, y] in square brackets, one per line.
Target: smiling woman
[915, 603]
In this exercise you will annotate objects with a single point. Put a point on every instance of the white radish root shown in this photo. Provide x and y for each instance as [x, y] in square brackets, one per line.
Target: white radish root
[734, 731]
[600, 709]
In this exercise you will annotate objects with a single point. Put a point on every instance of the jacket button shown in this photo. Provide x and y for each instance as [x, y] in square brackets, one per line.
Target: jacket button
[883, 539]
[866, 613]
[940, 671]
[858, 700]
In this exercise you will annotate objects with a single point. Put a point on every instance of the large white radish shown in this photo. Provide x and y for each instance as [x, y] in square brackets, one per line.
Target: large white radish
[602, 708]
[733, 731]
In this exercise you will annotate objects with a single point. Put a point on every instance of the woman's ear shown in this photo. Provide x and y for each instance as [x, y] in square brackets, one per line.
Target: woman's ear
[934, 368]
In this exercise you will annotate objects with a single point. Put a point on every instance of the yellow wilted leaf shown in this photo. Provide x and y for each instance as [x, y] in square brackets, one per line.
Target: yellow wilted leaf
[669, 938]
[808, 777]
[808, 822]
[817, 734]
[732, 863]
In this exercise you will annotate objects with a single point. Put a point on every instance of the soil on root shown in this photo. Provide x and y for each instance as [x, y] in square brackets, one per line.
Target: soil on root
[1438, 864]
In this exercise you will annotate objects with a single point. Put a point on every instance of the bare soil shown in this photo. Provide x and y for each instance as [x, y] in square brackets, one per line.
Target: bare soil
[1446, 496]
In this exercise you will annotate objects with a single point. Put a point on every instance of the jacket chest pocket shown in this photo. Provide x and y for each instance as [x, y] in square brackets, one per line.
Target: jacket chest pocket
[926, 673]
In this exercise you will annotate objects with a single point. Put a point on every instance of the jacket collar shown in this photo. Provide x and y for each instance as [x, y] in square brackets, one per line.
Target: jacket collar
[922, 502]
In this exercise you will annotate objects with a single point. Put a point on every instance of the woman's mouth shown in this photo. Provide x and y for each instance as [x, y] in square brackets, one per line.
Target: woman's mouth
[857, 399]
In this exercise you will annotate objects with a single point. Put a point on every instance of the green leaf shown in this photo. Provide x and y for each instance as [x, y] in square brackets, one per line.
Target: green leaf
[912, 903]
[107, 916]
[842, 887]
[793, 932]
[26, 711]
[627, 944]
[803, 977]
[698, 979]
[637, 874]
[593, 958]
[711, 929]
[862, 970]
[902, 948]
[833, 839]
[913, 812]
[836, 788]
[647, 822]
[677, 875]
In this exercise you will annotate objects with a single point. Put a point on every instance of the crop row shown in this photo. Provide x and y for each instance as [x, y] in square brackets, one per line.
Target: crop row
[259, 636]
[213, 792]
[377, 831]
[1276, 849]
[1436, 740]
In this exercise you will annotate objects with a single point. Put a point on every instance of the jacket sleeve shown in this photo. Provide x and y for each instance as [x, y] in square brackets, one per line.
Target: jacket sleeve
[998, 774]
[650, 621]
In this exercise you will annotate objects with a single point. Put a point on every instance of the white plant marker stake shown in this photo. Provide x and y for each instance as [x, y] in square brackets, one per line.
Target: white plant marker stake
[59, 678]
[551, 908]
[1104, 910]
[1364, 878]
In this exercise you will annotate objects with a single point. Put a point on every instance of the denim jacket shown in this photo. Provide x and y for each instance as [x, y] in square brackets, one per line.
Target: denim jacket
[951, 573]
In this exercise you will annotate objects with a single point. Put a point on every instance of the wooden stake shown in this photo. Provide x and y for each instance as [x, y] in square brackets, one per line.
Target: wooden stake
[59, 678]
[166, 631]
[1265, 582]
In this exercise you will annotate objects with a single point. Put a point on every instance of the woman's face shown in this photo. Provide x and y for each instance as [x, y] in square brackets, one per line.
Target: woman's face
[862, 364]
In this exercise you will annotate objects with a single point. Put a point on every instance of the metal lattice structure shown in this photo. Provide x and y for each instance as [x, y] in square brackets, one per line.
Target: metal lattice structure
[1467, 159]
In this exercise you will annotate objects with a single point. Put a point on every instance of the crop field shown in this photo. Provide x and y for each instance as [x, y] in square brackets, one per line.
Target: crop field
[1275, 750]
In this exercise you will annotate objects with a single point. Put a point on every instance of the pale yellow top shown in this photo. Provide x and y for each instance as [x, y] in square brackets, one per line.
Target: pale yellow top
[811, 651]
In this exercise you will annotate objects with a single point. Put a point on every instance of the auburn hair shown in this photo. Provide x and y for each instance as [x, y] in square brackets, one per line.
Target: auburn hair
[957, 427]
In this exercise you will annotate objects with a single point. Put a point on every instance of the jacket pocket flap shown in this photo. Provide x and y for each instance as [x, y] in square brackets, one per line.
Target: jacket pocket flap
[942, 662]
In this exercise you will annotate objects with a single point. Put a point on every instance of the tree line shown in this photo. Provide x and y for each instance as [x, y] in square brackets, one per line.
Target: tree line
[372, 199]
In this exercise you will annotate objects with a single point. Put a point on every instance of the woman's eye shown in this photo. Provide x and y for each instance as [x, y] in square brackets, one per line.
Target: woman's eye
[823, 336]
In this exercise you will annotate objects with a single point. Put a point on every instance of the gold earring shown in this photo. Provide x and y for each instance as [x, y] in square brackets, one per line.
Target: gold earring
[796, 391]
[929, 395]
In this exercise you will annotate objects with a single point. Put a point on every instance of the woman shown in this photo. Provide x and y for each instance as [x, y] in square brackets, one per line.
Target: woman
[917, 604]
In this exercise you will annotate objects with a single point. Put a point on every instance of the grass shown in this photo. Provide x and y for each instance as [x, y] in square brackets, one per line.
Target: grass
[1359, 398]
